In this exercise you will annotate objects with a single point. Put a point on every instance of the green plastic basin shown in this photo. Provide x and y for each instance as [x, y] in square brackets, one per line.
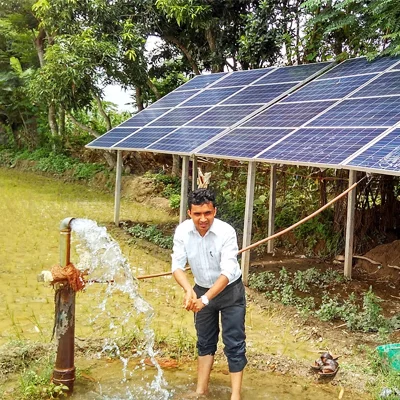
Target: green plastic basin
[391, 352]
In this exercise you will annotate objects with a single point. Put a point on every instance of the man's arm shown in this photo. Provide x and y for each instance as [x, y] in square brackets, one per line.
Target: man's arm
[190, 296]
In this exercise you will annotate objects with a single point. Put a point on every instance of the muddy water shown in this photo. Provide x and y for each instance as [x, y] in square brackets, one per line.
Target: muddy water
[31, 208]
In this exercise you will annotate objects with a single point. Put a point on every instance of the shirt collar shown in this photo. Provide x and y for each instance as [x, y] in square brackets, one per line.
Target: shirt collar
[212, 228]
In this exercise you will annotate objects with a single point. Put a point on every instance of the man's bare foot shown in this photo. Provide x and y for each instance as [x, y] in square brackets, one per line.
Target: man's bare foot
[192, 395]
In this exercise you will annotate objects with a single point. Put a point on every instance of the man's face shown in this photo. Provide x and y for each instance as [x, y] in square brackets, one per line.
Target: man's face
[202, 216]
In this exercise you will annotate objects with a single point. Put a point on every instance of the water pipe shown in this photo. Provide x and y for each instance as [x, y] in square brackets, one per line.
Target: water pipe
[64, 325]
[64, 369]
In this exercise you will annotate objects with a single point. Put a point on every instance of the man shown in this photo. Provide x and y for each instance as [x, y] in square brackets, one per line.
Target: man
[210, 247]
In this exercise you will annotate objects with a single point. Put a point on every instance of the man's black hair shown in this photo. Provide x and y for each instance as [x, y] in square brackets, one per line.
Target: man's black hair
[201, 196]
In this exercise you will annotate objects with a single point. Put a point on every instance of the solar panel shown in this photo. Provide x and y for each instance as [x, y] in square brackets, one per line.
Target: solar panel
[245, 143]
[223, 116]
[293, 73]
[211, 97]
[144, 117]
[179, 116]
[361, 65]
[383, 155]
[173, 99]
[143, 138]
[288, 114]
[185, 140]
[242, 78]
[258, 94]
[110, 138]
[335, 88]
[201, 81]
[361, 112]
[328, 146]
[385, 85]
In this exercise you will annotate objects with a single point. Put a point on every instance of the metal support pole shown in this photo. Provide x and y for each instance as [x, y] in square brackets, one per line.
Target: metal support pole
[118, 188]
[184, 188]
[351, 204]
[194, 173]
[272, 203]
[64, 369]
[248, 219]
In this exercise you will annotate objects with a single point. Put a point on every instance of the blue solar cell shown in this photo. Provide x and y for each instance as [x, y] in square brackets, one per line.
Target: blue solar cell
[143, 138]
[329, 89]
[179, 116]
[201, 81]
[258, 94]
[383, 155]
[173, 99]
[361, 65]
[245, 143]
[242, 78]
[223, 116]
[211, 96]
[184, 140]
[112, 137]
[384, 111]
[293, 74]
[144, 117]
[288, 114]
[321, 146]
[386, 84]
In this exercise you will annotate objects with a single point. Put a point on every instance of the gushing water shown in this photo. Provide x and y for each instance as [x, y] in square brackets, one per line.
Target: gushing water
[101, 257]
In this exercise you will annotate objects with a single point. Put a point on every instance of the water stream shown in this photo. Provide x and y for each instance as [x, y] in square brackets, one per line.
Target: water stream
[101, 257]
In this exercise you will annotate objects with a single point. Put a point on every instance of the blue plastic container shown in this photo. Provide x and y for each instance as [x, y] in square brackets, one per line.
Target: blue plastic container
[391, 352]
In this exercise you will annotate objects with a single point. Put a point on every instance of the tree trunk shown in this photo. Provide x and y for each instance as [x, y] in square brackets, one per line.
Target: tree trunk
[175, 165]
[111, 158]
[216, 65]
[103, 113]
[53, 120]
[153, 88]
[139, 98]
[62, 122]
[184, 50]
[82, 126]
[39, 45]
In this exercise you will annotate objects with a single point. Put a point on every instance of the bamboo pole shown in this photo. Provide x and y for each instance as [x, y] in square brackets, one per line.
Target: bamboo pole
[352, 187]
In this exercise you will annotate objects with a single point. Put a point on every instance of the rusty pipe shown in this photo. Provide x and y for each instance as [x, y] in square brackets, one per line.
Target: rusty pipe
[64, 369]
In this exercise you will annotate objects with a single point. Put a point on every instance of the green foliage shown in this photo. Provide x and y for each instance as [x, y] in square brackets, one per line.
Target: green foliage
[35, 386]
[370, 319]
[86, 171]
[289, 289]
[152, 234]
[169, 186]
[55, 163]
[175, 201]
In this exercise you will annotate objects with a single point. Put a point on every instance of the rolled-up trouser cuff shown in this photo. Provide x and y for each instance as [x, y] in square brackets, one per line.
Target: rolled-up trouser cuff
[237, 364]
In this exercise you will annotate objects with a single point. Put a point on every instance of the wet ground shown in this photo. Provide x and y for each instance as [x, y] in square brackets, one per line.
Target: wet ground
[280, 350]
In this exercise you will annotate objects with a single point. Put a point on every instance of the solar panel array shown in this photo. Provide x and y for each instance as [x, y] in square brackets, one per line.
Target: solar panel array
[347, 117]
[203, 108]
[330, 122]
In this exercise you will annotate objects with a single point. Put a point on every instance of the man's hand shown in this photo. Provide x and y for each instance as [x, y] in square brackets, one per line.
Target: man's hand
[189, 299]
[198, 305]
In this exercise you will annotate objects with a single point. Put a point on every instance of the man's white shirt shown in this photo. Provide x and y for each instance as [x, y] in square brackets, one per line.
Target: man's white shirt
[210, 255]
